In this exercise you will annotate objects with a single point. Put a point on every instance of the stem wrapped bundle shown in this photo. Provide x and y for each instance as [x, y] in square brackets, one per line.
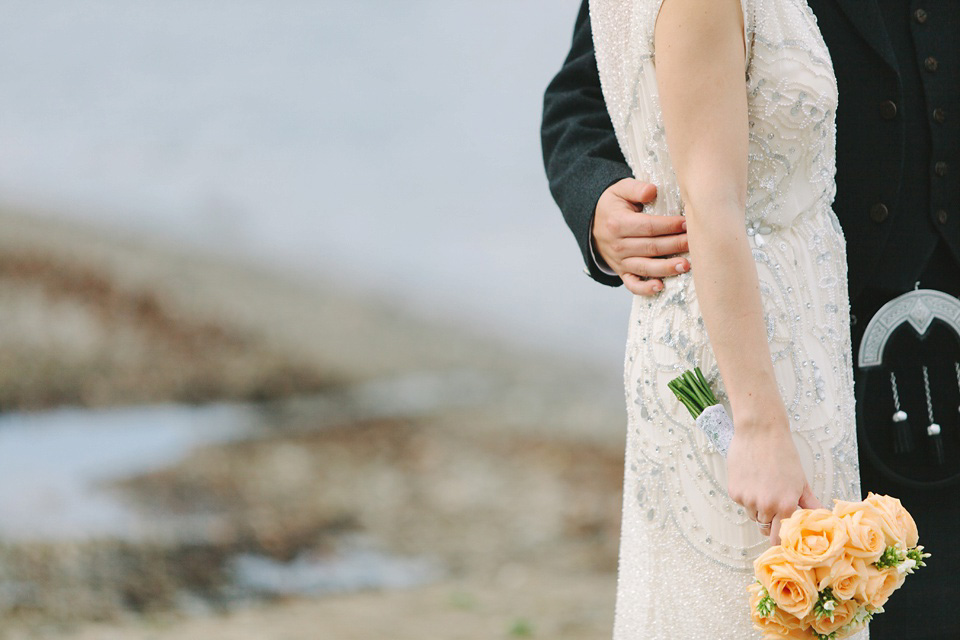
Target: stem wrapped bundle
[693, 391]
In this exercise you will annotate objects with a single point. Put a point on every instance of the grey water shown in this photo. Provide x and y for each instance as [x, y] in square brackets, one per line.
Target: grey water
[352, 568]
[55, 465]
[57, 468]
[389, 147]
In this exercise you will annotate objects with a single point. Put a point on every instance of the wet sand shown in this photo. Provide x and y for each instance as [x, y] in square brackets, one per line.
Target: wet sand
[502, 467]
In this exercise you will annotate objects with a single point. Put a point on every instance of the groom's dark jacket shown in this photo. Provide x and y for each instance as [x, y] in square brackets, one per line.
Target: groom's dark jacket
[891, 230]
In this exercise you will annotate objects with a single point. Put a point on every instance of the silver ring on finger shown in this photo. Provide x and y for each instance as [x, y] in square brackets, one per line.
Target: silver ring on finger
[765, 526]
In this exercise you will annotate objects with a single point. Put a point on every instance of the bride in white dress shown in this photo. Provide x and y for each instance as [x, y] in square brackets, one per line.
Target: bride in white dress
[733, 120]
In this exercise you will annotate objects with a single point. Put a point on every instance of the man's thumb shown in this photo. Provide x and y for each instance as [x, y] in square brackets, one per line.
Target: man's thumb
[635, 191]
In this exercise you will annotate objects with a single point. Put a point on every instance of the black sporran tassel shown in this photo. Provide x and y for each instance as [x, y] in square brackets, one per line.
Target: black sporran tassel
[933, 430]
[902, 438]
[956, 367]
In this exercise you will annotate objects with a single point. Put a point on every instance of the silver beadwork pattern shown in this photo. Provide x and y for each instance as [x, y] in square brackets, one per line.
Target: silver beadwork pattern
[687, 549]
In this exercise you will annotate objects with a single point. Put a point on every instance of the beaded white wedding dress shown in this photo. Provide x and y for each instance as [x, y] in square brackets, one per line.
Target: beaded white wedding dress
[686, 549]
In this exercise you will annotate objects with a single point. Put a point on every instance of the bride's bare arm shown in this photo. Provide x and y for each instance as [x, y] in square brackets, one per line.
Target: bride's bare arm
[700, 74]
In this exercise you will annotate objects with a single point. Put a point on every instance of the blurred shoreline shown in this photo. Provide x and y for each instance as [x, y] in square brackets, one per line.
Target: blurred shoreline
[391, 147]
[350, 335]
[324, 363]
[500, 466]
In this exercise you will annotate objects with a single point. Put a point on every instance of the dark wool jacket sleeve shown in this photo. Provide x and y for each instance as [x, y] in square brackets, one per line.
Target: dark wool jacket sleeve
[580, 150]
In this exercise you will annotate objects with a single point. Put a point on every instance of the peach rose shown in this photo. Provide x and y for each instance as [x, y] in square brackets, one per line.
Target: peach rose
[812, 537]
[843, 576]
[898, 523]
[842, 614]
[864, 525]
[910, 528]
[763, 565]
[778, 624]
[878, 584]
[793, 589]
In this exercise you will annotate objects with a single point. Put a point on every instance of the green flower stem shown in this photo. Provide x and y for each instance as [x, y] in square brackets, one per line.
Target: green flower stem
[826, 604]
[692, 383]
[766, 604]
[891, 557]
[684, 396]
[692, 389]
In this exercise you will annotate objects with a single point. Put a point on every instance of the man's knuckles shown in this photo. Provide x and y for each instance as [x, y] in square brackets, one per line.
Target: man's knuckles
[647, 247]
[612, 226]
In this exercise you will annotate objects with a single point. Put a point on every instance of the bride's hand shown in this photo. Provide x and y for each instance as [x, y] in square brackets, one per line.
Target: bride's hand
[764, 474]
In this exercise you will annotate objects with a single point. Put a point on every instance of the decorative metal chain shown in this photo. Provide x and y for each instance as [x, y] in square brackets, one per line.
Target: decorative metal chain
[896, 393]
[926, 390]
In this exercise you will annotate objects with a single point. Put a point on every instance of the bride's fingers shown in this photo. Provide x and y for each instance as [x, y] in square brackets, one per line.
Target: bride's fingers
[779, 517]
[807, 499]
[766, 515]
[775, 530]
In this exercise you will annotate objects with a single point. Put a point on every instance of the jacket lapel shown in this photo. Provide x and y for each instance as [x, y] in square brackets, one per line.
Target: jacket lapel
[866, 19]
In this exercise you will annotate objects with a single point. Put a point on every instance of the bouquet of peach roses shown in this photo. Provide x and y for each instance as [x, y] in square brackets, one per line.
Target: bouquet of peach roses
[834, 570]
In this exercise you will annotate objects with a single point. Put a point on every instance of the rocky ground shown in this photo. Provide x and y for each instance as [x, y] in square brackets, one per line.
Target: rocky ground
[495, 474]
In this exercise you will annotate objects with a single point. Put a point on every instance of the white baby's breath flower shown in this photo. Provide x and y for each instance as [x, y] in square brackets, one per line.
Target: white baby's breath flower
[906, 565]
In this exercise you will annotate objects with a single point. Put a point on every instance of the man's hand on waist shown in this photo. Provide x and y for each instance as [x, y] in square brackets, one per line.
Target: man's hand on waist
[637, 246]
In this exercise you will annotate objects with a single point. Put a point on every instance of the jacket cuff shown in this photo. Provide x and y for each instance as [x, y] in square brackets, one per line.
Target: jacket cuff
[593, 265]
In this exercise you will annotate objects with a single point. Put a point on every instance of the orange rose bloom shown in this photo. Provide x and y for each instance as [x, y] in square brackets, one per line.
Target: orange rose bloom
[844, 613]
[843, 576]
[763, 565]
[778, 624]
[864, 525]
[875, 590]
[898, 523]
[812, 537]
[793, 589]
